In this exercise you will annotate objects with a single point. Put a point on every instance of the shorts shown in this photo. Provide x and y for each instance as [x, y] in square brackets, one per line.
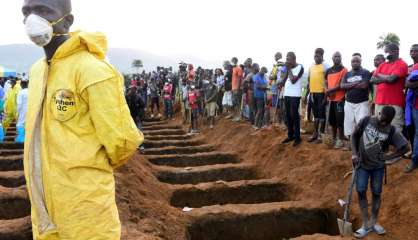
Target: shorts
[260, 103]
[376, 180]
[318, 106]
[399, 119]
[353, 113]
[336, 114]
[211, 108]
[227, 100]
[195, 113]
[236, 98]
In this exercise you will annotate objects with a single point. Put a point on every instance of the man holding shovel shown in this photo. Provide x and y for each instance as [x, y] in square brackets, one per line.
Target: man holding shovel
[370, 140]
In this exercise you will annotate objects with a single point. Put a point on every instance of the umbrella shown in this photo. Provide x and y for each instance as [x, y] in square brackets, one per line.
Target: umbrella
[5, 72]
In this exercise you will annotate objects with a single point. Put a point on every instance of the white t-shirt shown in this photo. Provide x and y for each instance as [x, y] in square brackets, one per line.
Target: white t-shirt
[22, 107]
[293, 90]
[7, 87]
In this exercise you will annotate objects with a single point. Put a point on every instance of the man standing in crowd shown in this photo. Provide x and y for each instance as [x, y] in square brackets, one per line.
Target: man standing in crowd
[248, 74]
[220, 83]
[336, 95]
[316, 89]
[370, 139]
[211, 96]
[237, 74]
[276, 76]
[79, 129]
[227, 99]
[390, 79]
[260, 87]
[378, 59]
[249, 82]
[412, 85]
[194, 107]
[22, 106]
[155, 97]
[356, 87]
[191, 74]
[168, 99]
[10, 104]
[292, 96]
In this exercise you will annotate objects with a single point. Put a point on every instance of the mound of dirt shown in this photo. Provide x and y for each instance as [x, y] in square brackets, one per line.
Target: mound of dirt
[143, 204]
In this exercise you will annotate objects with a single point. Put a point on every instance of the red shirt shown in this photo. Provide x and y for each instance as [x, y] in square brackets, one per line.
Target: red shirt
[237, 75]
[392, 93]
[193, 99]
[167, 91]
[191, 75]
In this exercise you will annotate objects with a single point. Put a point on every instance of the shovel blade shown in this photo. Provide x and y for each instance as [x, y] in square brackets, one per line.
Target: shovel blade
[346, 228]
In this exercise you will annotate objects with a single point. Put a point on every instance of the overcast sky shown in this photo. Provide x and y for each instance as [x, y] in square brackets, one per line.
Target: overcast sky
[219, 29]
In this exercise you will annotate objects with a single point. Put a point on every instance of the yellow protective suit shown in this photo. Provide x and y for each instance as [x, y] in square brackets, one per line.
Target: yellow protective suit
[10, 107]
[78, 129]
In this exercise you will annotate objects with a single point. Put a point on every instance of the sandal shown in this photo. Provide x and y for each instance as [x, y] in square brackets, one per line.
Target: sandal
[362, 232]
[379, 230]
[410, 168]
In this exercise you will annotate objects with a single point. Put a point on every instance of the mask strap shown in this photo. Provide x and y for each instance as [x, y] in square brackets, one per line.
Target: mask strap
[60, 34]
[59, 20]
[56, 22]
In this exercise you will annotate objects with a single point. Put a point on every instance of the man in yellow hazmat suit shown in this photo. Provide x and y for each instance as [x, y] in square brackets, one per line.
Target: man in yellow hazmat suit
[78, 129]
[10, 105]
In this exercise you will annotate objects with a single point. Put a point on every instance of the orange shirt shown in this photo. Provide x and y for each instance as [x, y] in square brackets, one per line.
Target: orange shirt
[334, 78]
[237, 75]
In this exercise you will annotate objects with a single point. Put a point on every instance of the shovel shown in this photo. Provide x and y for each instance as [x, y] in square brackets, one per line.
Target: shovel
[345, 227]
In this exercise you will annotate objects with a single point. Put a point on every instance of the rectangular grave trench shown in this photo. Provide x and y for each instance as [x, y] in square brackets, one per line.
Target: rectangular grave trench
[269, 225]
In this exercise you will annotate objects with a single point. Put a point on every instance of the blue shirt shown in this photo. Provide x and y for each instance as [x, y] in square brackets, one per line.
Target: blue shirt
[259, 80]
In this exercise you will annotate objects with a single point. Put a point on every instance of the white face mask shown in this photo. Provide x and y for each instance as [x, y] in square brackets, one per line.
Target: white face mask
[39, 30]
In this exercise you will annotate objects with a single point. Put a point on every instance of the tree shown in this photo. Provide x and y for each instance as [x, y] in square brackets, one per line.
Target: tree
[387, 39]
[137, 63]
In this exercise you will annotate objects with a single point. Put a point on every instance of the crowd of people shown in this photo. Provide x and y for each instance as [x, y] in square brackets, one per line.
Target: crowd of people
[335, 97]
[366, 111]
[13, 106]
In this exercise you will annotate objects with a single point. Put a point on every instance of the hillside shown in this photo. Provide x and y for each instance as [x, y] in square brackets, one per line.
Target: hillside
[21, 56]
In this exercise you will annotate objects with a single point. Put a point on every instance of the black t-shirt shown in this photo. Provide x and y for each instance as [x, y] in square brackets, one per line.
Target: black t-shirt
[374, 141]
[228, 81]
[356, 95]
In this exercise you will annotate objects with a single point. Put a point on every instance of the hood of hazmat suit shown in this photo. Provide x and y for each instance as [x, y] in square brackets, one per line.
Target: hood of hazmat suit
[78, 129]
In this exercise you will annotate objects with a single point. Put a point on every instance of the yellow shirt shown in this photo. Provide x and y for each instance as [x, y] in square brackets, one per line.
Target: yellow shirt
[317, 78]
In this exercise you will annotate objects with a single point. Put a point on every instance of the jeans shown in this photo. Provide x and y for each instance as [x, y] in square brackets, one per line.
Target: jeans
[293, 117]
[415, 148]
[260, 112]
[168, 108]
[376, 180]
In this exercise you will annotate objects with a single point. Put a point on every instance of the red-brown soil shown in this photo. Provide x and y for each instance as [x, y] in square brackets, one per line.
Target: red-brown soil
[314, 173]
